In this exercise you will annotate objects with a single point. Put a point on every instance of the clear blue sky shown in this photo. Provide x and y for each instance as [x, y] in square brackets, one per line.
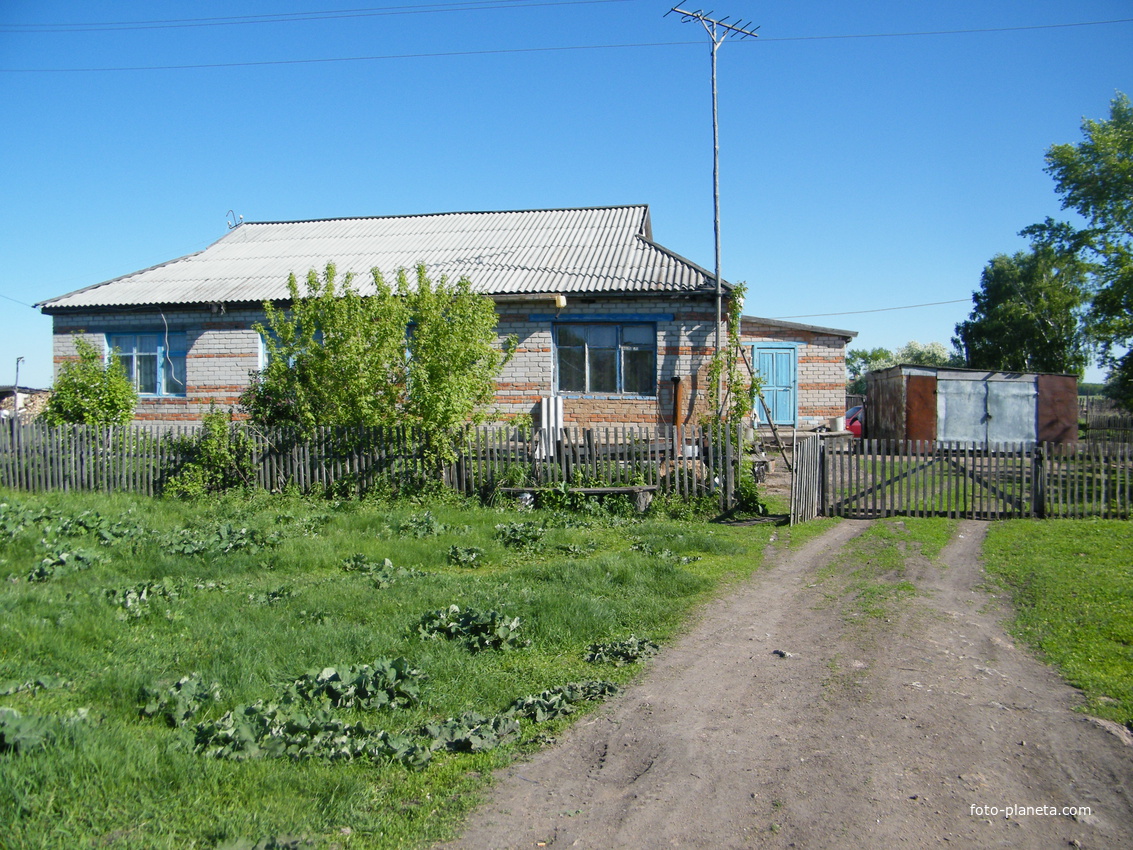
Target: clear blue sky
[873, 155]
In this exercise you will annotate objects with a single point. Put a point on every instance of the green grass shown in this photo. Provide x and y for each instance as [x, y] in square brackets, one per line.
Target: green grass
[1072, 587]
[868, 577]
[278, 605]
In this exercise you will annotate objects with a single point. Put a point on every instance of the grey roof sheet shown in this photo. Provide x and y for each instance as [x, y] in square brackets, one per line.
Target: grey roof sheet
[782, 323]
[591, 250]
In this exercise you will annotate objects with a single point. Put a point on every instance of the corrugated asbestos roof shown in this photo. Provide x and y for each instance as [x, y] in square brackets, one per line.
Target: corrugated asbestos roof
[593, 250]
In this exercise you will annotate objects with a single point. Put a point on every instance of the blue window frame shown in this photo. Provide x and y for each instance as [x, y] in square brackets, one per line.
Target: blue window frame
[154, 362]
[265, 353]
[607, 358]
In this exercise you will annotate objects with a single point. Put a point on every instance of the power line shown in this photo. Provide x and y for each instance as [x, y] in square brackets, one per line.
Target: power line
[516, 50]
[436, 55]
[952, 32]
[290, 17]
[878, 310]
[21, 303]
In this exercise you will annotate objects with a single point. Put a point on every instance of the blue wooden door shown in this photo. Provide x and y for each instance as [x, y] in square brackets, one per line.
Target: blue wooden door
[776, 365]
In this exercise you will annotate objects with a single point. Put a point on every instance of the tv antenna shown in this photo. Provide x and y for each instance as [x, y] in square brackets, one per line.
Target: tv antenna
[718, 30]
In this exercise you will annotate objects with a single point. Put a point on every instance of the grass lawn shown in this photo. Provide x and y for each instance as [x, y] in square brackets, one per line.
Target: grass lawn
[110, 601]
[1072, 586]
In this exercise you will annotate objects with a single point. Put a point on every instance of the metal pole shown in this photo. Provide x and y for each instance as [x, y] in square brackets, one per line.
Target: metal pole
[16, 397]
[716, 185]
[718, 30]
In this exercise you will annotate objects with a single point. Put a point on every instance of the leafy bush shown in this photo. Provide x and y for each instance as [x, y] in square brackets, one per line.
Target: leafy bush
[218, 458]
[90, 392]
[421, 525]
[180, 702]
[621, 652]
[39, 683]
[133, 602]
[672, 506]
[464, 556]
[61, 562]
[21, 733]
[520, 535]
[272, 597]
[383, 684]
[662, 554]
[218, 540]
[477, 630]
[556, 702]
[269, 730]
[383, 575]
[471, 732]
[747, 496]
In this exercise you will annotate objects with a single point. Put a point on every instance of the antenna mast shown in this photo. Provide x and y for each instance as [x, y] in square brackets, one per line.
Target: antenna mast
[718, 30]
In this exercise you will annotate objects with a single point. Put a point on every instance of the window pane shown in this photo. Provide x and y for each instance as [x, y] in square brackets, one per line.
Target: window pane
[639, 372]
[572, 369]
[127, 361]
[146, 344]
[176, 343]
[572, 335]
[146, 377]
[603, 336]
[603, 370]
[637, 335]
[173, 374]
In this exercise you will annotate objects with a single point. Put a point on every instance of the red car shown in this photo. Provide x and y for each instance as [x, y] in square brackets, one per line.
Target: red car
[855, 420]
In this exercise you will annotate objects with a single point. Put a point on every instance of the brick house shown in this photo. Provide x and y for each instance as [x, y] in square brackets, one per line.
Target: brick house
[613, 326]
[803, 368]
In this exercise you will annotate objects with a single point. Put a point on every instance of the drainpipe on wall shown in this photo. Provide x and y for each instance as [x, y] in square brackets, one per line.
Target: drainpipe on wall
[676, 399]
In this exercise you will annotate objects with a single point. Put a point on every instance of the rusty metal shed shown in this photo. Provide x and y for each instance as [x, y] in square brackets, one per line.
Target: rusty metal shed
[944, 404]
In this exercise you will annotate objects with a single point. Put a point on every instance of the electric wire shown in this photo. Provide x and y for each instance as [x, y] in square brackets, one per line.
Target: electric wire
[291, 17]
[14, 301]
[521, 50]
[878, 310]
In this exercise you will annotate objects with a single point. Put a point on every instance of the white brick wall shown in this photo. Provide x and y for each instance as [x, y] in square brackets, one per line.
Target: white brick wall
[223, 349]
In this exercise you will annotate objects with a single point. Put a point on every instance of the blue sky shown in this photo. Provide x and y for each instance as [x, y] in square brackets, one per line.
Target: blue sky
[873, 155]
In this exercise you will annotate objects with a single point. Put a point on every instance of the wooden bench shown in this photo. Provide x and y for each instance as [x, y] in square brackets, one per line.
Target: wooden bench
[642, 493]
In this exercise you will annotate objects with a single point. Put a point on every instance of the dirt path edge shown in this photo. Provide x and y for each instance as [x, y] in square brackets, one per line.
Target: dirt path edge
[776, 721]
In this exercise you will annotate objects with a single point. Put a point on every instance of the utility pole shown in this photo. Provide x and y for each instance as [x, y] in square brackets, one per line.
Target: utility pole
[16, 398]
[718, 30]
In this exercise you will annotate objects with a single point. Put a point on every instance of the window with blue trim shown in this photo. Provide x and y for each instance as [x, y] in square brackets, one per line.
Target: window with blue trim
[154, 363]
[606, 358]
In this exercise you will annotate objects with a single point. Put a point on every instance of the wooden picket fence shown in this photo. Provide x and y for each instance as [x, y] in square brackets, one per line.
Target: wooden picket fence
[686, 462]
[878, 478]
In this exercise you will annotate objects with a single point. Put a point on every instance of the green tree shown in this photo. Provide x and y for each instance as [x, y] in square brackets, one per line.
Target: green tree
[453, 358]
[861, 361]
[1028, 311]
[1095, 178]
[334, 357]
[89, 391]
[926, 354]
[420, 354]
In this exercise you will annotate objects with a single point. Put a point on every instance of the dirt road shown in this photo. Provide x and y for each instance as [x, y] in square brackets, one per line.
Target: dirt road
[877, 734]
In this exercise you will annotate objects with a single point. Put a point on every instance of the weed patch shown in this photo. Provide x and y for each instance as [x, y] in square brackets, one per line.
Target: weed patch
[252, 590]
[477, 630]
[619, 653]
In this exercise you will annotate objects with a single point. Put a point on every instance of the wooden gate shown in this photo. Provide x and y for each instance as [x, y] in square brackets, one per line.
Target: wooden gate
[865, 479]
